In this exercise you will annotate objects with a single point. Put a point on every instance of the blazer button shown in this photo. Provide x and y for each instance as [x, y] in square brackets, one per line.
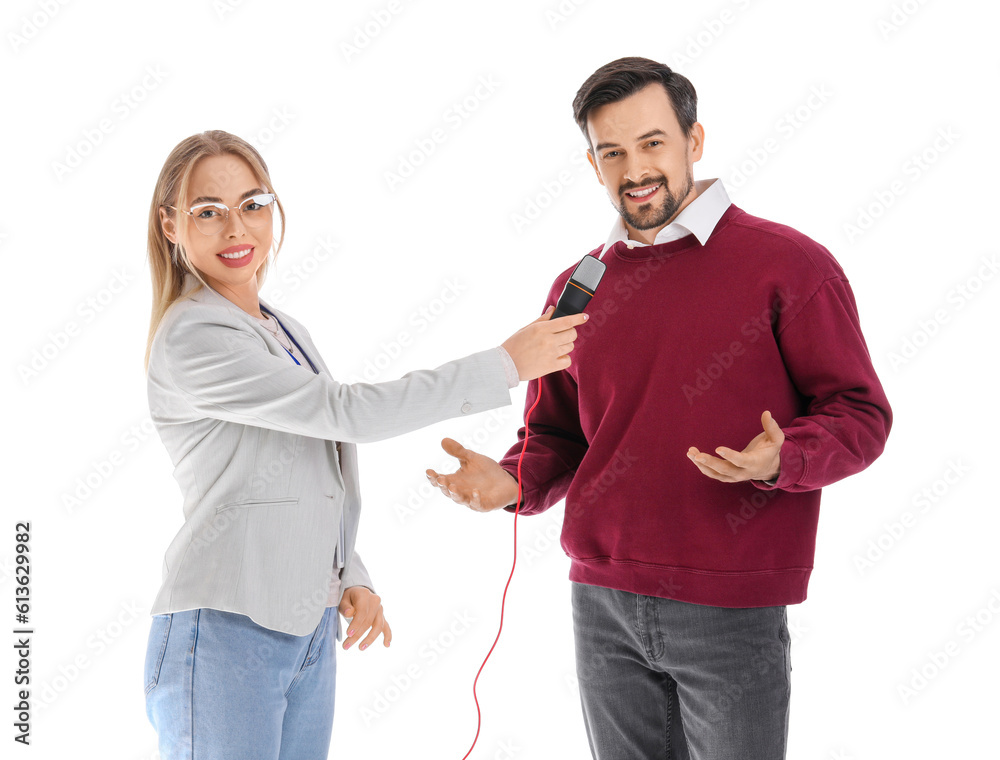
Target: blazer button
[466, 407]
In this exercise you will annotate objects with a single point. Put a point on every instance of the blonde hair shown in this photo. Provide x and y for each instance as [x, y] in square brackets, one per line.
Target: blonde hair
[169, 262]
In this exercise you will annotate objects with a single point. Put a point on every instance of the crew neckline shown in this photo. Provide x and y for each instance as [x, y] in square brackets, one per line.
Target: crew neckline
[672, 247]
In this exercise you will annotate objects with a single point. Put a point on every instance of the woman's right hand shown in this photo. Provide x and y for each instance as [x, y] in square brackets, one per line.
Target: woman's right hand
[544, 345]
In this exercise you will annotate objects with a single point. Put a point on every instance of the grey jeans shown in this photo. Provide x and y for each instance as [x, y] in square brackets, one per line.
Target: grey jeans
[665, 679]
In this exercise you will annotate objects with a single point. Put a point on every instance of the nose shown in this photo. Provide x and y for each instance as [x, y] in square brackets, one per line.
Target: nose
[234, 226]
[636, 169]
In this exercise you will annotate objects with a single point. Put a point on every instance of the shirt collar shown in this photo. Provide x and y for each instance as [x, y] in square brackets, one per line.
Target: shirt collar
[698, 218]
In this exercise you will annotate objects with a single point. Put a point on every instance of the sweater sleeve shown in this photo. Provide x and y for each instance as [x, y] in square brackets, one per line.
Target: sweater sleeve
[556, 443]
[847, 417]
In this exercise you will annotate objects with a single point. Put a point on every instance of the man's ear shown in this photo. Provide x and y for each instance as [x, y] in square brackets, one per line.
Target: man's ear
[696, 141]
[168, 225]
[590, 157]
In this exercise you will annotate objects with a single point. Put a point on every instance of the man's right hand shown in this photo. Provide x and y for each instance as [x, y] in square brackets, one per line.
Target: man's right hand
[479, 483]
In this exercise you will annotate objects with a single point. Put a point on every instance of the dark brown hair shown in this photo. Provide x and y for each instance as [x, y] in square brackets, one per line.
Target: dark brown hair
[619, 79]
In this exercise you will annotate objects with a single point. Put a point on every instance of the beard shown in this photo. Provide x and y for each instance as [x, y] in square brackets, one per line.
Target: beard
[648, 215]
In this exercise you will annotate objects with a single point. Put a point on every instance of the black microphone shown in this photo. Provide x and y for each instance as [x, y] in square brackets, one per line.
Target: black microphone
[580, 287]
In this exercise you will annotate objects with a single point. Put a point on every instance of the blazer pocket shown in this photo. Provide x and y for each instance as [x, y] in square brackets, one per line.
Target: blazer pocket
[256, 503]
[216, 560]
[286, 554]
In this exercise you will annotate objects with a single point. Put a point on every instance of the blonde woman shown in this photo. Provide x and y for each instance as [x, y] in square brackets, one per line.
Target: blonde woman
[241, 659]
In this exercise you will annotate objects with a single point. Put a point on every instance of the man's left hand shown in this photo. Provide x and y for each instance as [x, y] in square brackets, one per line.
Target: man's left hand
[760, 460]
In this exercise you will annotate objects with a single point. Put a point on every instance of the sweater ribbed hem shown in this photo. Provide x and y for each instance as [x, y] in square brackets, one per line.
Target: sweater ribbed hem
[761, 588]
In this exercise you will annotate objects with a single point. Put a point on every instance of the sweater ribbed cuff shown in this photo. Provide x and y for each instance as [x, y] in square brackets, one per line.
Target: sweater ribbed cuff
[792, 466]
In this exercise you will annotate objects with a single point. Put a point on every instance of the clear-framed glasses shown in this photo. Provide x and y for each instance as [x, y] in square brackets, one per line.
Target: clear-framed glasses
[210, 218]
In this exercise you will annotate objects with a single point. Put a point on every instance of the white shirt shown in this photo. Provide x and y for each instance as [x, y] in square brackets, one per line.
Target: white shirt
[698, 218]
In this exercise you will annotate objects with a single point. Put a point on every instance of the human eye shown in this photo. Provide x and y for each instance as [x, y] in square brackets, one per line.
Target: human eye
[257, 202]
[611, 154]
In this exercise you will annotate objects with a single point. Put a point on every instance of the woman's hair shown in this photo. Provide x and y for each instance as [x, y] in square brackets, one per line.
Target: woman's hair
[169, 262]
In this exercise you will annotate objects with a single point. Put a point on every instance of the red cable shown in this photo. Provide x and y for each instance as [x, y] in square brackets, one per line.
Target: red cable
[517, 508]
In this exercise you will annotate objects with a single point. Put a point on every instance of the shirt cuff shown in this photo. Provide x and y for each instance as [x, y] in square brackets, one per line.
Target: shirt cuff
[509, 368]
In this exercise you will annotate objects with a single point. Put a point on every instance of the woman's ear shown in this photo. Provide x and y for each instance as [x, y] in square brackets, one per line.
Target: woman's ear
[168, 226]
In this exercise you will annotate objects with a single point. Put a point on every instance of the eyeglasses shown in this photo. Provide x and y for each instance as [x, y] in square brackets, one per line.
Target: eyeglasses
[211, 218]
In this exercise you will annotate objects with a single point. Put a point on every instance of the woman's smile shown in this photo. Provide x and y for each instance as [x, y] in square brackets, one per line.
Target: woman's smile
[237, 255]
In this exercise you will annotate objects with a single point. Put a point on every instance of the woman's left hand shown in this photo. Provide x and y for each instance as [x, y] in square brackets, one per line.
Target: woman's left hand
[365, 607]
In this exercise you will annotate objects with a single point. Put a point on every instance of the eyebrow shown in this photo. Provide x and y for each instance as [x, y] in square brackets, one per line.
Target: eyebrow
[650, 133]
[206, 199]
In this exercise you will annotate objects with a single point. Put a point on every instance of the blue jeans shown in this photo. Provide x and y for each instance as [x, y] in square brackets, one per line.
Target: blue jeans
[663, 679]
[220, 686]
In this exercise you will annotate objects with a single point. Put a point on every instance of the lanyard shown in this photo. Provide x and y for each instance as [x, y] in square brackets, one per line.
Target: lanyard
[292, 338]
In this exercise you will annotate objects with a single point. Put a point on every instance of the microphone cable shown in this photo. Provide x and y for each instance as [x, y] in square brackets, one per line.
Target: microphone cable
[517, 509]
[576, 294]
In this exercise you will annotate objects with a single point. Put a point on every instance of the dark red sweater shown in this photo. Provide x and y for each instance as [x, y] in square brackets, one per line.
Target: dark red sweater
[687, 345]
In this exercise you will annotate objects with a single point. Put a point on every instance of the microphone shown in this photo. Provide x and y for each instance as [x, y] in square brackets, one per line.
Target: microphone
[580, 287]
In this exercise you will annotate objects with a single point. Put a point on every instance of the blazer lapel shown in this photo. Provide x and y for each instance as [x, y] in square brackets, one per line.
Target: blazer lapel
[210, 295]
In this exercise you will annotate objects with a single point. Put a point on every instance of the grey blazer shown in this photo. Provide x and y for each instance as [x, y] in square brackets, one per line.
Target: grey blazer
[253, 440]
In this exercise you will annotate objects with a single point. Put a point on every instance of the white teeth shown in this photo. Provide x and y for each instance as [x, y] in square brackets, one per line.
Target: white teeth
[643, 193]
[237, 255]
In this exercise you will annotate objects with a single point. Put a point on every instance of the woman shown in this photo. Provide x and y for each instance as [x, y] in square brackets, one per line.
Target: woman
[241, 659]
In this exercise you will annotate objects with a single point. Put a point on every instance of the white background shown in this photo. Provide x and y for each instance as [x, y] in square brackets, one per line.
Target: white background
[331, 122]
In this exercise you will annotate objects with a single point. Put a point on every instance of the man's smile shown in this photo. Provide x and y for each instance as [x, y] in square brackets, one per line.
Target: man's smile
[642, 194]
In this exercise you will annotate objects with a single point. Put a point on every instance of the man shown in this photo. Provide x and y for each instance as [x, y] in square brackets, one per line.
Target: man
[710, 326]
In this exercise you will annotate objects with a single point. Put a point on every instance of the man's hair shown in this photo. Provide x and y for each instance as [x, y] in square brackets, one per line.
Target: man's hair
[619, 79]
